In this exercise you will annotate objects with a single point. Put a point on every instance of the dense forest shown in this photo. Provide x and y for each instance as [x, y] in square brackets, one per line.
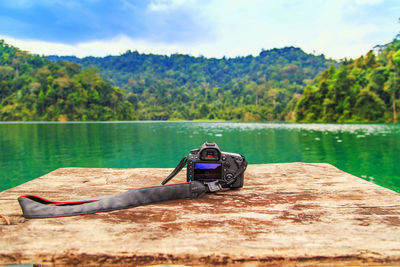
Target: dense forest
[362, 90]
[36, 89]
[277, 85]
[182, 87]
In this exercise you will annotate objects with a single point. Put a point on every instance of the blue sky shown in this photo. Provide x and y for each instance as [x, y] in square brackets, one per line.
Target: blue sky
[212, 28]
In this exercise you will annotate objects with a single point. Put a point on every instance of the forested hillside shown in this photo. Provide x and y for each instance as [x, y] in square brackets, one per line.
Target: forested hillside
[261, 88]
[268, 87]
[362, 90]
[34, 88]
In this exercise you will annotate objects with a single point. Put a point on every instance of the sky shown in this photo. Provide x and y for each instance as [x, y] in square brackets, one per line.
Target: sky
[211, 28]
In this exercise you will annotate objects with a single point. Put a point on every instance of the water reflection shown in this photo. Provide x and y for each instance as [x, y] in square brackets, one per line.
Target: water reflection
[28, 150]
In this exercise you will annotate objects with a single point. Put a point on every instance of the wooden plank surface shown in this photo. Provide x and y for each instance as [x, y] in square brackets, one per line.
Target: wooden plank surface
[293, 214]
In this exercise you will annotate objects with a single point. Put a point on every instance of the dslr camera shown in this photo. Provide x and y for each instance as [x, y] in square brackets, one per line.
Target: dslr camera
[216, 168]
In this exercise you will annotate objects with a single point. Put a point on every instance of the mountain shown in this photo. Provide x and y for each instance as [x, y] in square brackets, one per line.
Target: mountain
[137, 86]
[278, 84]
[36, 89]
[362, 90]
[271, 65]
[260, 88]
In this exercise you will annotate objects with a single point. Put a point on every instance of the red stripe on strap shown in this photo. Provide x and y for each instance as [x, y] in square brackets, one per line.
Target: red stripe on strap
[46, 201]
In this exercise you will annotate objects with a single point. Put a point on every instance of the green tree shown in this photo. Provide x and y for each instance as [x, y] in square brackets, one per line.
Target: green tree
[363, 89]
[369, 107]
[396, 61]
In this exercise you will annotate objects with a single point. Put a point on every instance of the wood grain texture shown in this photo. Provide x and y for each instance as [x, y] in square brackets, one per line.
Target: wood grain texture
[291, 214]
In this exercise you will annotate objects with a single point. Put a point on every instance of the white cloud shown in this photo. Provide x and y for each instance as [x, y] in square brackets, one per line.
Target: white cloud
[328, 27]
[163, 5]
[341, 42]
[339, 37]
[114, 46]
[368, 2]
[245, 27]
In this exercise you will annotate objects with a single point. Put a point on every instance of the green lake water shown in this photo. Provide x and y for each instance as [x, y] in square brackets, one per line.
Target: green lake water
[29, 150]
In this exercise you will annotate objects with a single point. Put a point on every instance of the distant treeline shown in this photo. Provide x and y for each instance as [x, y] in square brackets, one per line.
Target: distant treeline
[182, 87]
[277, 85]
[32, 88]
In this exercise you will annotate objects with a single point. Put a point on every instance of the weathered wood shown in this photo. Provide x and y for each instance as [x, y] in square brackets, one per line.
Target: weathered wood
[294, 214]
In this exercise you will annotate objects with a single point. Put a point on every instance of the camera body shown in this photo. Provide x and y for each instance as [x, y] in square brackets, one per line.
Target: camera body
[209, 164]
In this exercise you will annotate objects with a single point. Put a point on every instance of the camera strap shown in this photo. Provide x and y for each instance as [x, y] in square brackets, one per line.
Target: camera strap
[177, 169]
[38, 207]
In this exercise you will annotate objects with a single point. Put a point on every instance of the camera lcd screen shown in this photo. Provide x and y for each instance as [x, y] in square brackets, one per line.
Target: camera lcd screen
[207, 171]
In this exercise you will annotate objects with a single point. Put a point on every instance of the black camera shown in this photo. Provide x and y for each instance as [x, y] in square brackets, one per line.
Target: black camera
[210, 165]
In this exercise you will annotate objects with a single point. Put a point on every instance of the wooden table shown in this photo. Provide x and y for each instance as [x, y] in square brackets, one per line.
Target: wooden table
[292, 213]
